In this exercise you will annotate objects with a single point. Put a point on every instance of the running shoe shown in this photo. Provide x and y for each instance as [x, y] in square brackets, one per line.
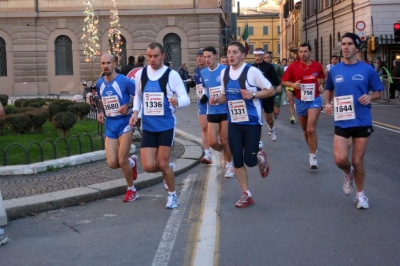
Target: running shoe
[348, 182]
[244, 201]
[130, 195]
[313, 162]
[362, 200]
[285, 102]
[206, 159]
[271, 133]
[229, 171]
[134, 169]
[172, 202]
[260, 145]
[264, 167]
[3, 238]
[173, 170]
[292, 120]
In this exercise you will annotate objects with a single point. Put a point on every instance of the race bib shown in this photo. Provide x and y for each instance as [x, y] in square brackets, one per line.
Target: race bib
[111, 105]
[215, 91]
[199, 91]
[307, 92]
[238, 111]
[153, 103]
[344, 108]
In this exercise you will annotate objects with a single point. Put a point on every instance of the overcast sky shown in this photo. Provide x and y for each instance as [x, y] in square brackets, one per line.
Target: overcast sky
[248, 3]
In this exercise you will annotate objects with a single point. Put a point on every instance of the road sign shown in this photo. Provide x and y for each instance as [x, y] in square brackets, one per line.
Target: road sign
[362, 34]
[360, 25]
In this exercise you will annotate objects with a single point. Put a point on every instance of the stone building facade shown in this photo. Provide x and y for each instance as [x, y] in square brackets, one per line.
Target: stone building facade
[32, 32]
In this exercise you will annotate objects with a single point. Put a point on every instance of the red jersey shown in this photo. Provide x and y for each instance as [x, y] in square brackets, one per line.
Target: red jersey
[307, 74]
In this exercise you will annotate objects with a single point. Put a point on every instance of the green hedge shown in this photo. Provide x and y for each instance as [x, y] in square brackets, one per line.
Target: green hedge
[3, 99]
[64, 121]
[80, 110]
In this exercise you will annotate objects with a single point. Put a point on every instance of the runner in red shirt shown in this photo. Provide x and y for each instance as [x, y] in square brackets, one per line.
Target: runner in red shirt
[307, 77]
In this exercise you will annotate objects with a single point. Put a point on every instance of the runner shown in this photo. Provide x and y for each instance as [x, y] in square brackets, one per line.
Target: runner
[334, 61]
[224, 61]
[202, 108]
[217, 115]
[349, 84]
[241, 89]
[272, 104]
[160, 90]
[290, 96]
[268, 70]
[114, 91]
[307, 77]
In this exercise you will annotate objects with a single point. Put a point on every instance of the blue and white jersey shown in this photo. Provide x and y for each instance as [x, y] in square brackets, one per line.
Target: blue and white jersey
[159, 123]
[119, 90]
[197, 80]
[212, 79]
[356, 80]
[255, 81]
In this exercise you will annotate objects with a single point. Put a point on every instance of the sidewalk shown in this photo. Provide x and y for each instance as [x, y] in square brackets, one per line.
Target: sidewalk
[30, 194]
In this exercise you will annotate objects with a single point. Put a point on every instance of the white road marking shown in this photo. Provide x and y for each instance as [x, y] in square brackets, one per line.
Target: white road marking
[171, 229]
[393, 130]
[205, 250]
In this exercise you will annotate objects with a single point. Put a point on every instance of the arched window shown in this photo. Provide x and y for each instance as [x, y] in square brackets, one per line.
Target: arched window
[316, 49]
[172, 46]
[338, 37]
[3, 58]
[63, 55]
[122, 57]
[322, 52]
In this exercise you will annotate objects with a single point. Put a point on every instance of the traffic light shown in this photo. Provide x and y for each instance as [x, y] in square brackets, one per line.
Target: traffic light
[396, 30]
[373, 46]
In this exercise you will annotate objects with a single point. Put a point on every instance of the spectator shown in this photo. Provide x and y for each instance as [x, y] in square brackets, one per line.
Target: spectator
[395, 85]
[131, 65]
[184, 75]
[140, 61]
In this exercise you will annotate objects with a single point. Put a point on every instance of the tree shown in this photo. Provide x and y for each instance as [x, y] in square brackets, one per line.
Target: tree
[114, 34]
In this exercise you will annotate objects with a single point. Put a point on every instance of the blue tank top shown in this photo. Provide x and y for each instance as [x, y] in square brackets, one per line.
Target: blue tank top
[121, 87]
[212, 79]
[254, 106]
[154, 123]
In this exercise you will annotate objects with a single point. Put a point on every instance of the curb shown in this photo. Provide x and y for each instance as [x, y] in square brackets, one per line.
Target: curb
[16, 208]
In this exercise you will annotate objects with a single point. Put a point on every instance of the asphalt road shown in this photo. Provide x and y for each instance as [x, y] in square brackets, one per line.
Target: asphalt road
[300, 216]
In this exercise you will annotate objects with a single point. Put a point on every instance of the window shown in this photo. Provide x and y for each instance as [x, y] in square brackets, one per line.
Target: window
[63, 55]
[278, 29]
[251, 50]
[251, 30]
[311, 7]
[238, 31]
[265, 47]
[172, 46]
[122, 57]
[322, 51]
[265, 30]
[3, 58]
[279, 48]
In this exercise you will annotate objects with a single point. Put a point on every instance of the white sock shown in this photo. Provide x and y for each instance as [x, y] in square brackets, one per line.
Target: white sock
[313, 155]
[171, 193]
[229, 164]
[207, 152]
[131, 162]
[132, 188]
[248, 193]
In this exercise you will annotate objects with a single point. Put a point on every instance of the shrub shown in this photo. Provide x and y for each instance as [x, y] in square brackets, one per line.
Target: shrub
[17, 122]
[3, 99]
[54, 109]
[64, 121]
[65, 104]
[18, 102]
[22, 110]
[2, 125]
[9, 109]
[80, 110]
[36, 102]
[38, 117]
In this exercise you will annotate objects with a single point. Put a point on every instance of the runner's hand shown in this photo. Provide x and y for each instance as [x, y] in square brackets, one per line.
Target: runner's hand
[133, 120]
[173, 101]
[365, 99]
[328, 109]
[100, 117]
[297, 85]
[123, 109]
[246, 94]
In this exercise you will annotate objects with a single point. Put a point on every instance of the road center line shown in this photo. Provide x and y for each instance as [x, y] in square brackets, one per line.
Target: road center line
[206, 244]
[171, 229]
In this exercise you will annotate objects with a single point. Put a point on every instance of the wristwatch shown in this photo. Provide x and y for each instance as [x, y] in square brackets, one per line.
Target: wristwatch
[254, 95]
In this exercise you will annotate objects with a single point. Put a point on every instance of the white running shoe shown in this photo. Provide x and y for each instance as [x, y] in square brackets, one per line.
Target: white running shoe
[348, 182]
[362, 200]
[173, 170]
[271, 133]
[313, 162]
[229, 171]
[206, 159]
